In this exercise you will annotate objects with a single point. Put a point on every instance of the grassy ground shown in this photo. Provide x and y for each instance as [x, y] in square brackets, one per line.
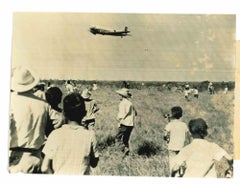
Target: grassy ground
[148, 149]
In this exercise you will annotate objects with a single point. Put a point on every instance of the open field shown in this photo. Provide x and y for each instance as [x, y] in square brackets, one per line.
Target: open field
[148, 149]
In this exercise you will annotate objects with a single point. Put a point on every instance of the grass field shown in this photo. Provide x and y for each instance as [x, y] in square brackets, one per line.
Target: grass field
[149, 155]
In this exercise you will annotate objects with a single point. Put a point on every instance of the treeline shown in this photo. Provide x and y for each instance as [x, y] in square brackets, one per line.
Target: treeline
[160, 85]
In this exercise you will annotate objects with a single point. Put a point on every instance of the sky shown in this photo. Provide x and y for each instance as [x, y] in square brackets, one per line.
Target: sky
[161, 47]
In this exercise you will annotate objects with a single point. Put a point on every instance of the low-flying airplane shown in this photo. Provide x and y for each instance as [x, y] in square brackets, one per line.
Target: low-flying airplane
[95, 31]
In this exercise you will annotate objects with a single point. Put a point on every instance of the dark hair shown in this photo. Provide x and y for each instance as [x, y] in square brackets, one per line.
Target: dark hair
[176, 112]
[198, 127]
[53, 96]
[74, 107]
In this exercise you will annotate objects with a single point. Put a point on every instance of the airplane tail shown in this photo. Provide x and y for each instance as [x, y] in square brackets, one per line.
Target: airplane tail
[126, 29]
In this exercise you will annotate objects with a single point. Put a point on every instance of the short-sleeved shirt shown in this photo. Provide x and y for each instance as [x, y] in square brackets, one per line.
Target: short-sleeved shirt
[29, 116]
[199, 156]
[69, 88]
[178, 132]
[70, 148]
[126, 113]
[91, 108]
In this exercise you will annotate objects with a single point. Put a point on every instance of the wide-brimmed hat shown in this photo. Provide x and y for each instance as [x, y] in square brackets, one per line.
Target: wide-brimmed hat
[124, 92]
[86, 94]
[23, 79]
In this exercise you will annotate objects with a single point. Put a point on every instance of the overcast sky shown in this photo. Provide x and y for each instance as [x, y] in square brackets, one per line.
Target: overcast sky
[162, 47]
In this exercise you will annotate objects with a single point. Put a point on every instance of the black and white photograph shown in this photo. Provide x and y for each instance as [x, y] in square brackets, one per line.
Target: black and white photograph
[122, 94]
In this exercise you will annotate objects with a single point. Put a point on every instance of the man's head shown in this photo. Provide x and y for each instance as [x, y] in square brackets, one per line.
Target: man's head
[176, 112]
[198, 128]
[54, 96]
[23, 79]
[74, 107]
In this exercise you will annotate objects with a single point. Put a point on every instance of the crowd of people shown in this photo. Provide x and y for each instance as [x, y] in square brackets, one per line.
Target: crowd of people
[45, 138]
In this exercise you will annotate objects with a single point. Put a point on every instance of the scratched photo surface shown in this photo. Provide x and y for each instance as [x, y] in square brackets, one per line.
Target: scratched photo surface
[163, 60]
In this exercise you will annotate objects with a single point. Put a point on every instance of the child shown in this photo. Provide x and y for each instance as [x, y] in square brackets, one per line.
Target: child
[195, 92]
[176, 134]
[126, 117]
[53, 97]
[91, 108]
[197, 159]
[186, 92]
[71, 149]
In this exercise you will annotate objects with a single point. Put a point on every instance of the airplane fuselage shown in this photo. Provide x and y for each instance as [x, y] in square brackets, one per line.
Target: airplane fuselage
[95, 31]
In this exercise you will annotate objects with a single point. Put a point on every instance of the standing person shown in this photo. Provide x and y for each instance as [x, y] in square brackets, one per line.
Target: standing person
[29, 115]
[176, 134]
[69, 87]
[126, 118]
[186, 92]
[54, 98]
[195, 92]
[71, 149]
[91, 108]
[198, 158]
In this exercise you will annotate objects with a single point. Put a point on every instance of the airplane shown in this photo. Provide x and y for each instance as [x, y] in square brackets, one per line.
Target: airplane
[95, 31]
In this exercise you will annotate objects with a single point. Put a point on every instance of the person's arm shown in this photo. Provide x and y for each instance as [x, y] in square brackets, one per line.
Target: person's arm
[94, 154]
[47, 165]
[229, 171]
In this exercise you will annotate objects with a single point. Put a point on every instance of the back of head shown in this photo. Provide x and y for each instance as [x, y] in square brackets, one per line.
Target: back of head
[54, 96]
[198, 128]
[176, 112]
[74, 107]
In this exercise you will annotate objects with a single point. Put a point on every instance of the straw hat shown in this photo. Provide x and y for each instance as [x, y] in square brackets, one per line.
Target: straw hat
[23, 79]
[86, 94]
[124, 92]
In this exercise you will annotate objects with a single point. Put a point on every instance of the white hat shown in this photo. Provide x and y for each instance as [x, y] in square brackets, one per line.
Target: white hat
[124, 92]
[23, 79]
[86, 94]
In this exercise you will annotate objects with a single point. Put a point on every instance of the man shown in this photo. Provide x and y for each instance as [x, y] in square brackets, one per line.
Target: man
[126, 118]
[29, 115]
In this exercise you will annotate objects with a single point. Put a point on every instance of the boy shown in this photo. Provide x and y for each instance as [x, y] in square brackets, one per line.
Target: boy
[53, 97]
[197, 159]
[91, 108]
[126, 118]
[176, 134]
[71, 149]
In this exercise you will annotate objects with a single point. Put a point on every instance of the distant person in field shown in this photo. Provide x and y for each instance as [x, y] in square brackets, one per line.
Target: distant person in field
[176, 134]
[195, 92]
[211, 88]
[69, 87]
[95, 87]
[198, 158]
[54, 98]
[29, 115]
[71, 149]
[126, 118]
[187, 92]
[91, 108]
[125, 84]
[39, 90]
[225, 90]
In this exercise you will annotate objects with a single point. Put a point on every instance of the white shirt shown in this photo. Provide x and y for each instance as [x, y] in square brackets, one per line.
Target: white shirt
[69, 88]
[199, 157]
[69, 147]
[29, 116]
[127, 113]
[178, 132]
